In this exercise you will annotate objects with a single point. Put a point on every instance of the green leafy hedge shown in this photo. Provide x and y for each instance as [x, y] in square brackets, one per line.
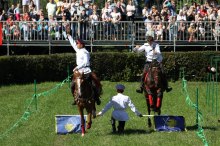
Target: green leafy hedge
[115, 66]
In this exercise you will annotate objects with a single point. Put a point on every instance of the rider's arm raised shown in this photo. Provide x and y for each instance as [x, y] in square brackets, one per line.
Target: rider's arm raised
[72, 42]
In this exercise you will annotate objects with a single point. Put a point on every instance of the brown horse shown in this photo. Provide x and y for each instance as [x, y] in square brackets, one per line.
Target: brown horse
[153, 88]
[84, 95]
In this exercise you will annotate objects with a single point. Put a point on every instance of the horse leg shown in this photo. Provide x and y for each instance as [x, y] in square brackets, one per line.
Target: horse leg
[148, 110]
[151, 103]
[82, 119]
[159, 102]
[93, 110]
[89, 118]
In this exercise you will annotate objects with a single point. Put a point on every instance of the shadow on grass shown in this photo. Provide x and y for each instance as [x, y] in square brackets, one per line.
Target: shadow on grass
[133, 132]
[195, 127]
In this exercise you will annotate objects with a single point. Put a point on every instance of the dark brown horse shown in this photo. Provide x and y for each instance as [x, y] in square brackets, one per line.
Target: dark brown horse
[154, 89]
[84, 95]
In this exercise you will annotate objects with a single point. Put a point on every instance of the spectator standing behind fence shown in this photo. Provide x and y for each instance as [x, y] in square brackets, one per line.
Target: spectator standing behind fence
[216, 29]
[165, 14]
[11, 11]
[73, 7]
[192, 32]
[51, 8]
[191, 14]
[106, 8]
[17, 12]
[145, 12]
[26, 26]
[37, 5]
[130, 8]
[120, 103]
[80, 8]
[94, 18]
[3, 16]
[181, 30]
[25, 5]
[172, 27]
[122, 9]
[83, 24]
[115, 18]
[181, 16]
[106, 19]
[59, 8]
[154, 12]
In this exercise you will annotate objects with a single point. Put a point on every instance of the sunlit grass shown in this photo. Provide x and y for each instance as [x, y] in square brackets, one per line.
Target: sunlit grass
[39, 129]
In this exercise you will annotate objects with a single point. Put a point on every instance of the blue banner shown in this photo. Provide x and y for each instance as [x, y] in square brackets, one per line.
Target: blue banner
[68, 124]
[169, 123]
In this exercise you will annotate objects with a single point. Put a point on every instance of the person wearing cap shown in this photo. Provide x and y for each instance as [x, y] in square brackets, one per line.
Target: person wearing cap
[120, 103]
[152, 52]
[83, 66]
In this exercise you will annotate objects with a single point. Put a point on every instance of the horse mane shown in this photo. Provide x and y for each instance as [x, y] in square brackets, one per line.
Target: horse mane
[153, 77]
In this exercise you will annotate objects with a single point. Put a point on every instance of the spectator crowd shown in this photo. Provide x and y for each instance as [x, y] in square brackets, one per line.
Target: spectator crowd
[82, 18]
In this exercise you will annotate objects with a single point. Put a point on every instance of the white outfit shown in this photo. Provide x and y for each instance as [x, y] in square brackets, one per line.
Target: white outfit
[149, 52]
[25, 2]
[130, 10]
[115, 17]
[82, 57]
[51, 9]
[120, 102]
[37, 3]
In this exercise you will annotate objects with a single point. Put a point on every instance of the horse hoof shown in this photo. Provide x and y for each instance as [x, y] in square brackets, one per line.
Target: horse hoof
[93, 114]
[88, 126]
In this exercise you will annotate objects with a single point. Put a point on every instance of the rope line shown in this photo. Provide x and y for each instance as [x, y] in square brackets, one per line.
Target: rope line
[27, 113]
[200, 131]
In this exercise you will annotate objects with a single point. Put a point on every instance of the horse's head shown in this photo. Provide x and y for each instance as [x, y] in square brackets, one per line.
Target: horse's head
[153, 76]
[78, 79]
[156, 75]
[83, 88]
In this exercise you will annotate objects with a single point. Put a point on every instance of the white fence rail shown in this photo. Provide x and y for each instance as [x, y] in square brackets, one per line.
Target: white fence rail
[124, 33]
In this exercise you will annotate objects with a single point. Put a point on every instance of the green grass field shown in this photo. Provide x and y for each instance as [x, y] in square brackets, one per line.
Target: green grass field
[39, 129]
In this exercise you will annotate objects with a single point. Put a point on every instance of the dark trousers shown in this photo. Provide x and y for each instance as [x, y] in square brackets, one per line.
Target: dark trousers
[121, 125]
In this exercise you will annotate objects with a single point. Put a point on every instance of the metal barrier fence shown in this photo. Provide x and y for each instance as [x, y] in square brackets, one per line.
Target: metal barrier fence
[99, 33]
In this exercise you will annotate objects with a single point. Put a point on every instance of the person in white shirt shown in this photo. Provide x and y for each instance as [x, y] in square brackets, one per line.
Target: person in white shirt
[83, 66]
[120, 103]
[130, 8]
[51, 8]
[152, 52]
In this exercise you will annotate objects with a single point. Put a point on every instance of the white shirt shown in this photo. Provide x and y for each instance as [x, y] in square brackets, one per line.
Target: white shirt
[120, 102]
[82, 57]
[51, 8]
[149, 52]
[130, 10]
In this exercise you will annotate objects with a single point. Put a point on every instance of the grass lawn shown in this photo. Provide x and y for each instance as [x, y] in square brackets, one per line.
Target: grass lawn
[39, 129]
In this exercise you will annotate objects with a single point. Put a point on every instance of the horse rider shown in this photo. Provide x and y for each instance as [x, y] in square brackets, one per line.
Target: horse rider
[119, 102]
[152, 52]
[83, 66]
